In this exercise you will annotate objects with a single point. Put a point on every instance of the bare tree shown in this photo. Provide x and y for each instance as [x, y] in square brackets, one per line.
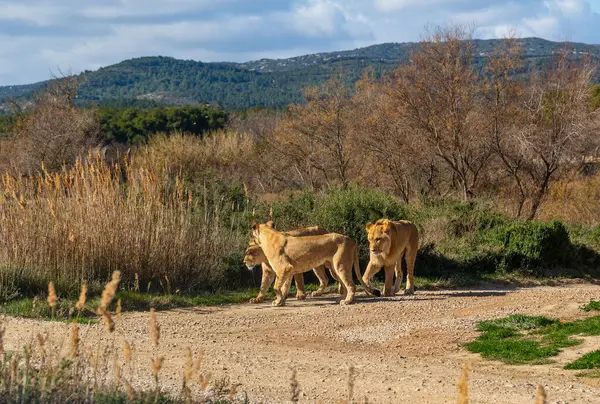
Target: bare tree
[52, 130]
[316, 139]
[396, 154]
[553, 127]
[258, 123]
[438, 90]
[503, 90]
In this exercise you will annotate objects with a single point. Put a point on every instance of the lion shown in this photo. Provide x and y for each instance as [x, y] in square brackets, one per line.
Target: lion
[389, 241]
[289, 255]
[254, 255]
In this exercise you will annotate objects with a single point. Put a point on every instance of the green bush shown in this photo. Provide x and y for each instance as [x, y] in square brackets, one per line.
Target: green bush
[595, 234]
[473, 218]
[534, 244]
[348, 211]
[292, 213]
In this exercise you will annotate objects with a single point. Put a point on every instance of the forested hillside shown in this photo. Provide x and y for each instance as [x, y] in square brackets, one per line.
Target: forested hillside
[147, 81]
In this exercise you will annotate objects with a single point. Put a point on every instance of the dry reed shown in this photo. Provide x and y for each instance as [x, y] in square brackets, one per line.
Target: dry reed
[157, 366]
[541, 395]
[52, 298]
[74, 341]
[351, 379]
[107, 319]
[130, 391]
[118, 310]
[154, 328]
[82, 222]
[82, 298]
[127, 351]
[463, 396]
[110, 289]
[294, 388]
[41, 344]
[2, 331]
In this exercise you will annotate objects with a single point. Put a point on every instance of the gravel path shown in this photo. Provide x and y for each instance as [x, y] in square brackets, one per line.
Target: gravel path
[405, 349]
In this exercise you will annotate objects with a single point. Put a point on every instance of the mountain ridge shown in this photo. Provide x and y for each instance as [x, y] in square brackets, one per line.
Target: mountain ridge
[267, 82]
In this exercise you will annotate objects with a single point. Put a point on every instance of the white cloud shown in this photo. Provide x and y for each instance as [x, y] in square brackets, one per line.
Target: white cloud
[38, 35]
[395, 5]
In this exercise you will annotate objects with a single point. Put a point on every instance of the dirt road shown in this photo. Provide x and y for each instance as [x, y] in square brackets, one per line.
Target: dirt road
[404, 350]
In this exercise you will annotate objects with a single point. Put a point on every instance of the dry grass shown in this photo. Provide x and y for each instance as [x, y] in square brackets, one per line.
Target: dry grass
[80, 224]
[221, 155]
[541, 395]
[574, 200]
[463, 394]
[42, 374]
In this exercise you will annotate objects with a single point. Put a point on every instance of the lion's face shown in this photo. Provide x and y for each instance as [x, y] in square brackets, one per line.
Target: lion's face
[253, 256]
[379, 238]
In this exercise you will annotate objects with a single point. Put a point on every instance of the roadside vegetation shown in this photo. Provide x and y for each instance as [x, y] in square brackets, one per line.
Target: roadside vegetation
[520, 339]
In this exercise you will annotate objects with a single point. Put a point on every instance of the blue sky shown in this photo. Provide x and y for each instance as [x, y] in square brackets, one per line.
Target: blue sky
[40, 36]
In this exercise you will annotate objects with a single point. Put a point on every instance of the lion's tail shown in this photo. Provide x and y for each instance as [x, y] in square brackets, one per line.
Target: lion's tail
[370, 291]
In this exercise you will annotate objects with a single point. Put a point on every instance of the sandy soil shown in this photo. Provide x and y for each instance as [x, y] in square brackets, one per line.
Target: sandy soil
[405, 349]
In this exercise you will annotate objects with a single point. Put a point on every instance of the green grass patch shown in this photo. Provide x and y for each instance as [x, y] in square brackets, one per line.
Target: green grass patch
[592, 306]
[587, 361]
[529, 339]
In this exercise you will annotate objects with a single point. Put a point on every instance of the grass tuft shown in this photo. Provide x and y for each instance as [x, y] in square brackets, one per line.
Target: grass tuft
[529, 339]
[587, 361]
[592, 306]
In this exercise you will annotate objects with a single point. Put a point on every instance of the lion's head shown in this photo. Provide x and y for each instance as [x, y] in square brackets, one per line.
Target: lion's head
[380, 240]
[255, 235]
[254, 255]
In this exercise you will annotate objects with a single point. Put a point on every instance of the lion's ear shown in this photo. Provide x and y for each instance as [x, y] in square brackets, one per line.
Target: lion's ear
[270, 224]
[386, 225]
[254, 226]
[369, 226]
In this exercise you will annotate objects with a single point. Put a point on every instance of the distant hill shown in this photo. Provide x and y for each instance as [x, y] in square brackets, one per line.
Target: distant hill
[267, 82]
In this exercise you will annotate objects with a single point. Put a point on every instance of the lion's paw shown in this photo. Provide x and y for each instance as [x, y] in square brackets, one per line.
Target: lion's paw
[278, 303]
[256, 300]
[316, 293]
[301, 297]
[408, 292]
[345, 302]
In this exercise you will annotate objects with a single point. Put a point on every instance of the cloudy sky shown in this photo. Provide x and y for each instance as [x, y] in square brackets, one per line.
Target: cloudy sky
[40, 36]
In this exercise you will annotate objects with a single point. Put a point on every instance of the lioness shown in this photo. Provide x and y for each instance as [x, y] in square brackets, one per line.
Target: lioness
[289, 255]
[389, 241]
[254, 255]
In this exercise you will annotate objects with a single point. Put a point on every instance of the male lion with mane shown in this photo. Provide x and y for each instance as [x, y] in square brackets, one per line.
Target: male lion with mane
[389, 241]
[289, 255]
[254, 255]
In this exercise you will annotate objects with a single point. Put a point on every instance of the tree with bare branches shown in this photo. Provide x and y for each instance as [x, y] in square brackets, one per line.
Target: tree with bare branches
[316, 140]
[51, 130]
[438, 91]
[395, 154]
[553, 127]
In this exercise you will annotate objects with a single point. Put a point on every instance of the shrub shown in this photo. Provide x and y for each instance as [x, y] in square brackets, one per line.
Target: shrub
[348, 211]
[532, 243]
[290, 213]
[595, 234]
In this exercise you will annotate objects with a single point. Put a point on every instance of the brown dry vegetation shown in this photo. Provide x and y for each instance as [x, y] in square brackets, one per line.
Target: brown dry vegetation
[83, 222]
